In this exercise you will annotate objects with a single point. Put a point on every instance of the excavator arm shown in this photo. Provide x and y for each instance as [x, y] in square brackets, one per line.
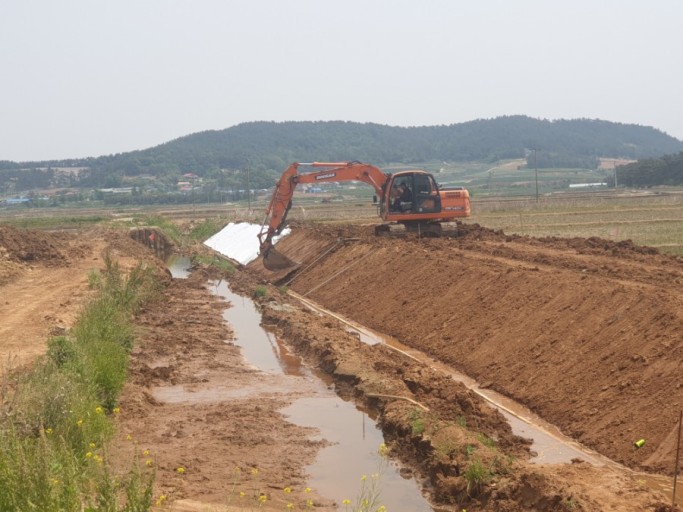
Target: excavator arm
[281, 202]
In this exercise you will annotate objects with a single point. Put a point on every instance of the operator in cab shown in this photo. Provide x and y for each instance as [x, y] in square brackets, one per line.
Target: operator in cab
[403, 198]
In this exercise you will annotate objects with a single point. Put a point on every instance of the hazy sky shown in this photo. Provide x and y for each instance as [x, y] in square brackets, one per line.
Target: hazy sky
[85, 78]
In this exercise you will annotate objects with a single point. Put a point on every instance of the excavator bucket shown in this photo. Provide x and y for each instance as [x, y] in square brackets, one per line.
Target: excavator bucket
[274, 261]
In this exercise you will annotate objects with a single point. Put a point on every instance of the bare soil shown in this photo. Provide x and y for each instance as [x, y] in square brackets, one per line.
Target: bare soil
[585, 332]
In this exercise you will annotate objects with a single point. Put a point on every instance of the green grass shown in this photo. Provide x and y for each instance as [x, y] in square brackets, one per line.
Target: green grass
[477, 475]
[54, 222]
[260, 291]
[214, 261]
[417, 422]
[205, 229]
[56, 419]
[169, 228]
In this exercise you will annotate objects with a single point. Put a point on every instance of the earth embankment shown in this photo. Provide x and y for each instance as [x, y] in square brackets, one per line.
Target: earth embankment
[585, 332]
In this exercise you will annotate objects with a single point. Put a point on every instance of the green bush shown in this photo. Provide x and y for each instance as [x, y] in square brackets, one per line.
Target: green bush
[260, 291]
[476, 475]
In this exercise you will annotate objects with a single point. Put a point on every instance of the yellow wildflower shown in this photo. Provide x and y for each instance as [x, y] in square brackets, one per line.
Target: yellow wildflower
[88, 455]
[145, 453]
[287, 490]
[79, 423]
[91, 445]
[346, 502]
[99, 410]
[308, 489]
[180, 470]
[290, 506]
[262, 498]
[116, 410]
[309, 503]
[129, 437]
[242, 495]
[254, 471]
[383, 450]
[149, 463]
[48, 431]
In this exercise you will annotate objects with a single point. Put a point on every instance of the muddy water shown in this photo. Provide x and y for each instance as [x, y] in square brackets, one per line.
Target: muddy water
[354, 439]
[179, 266]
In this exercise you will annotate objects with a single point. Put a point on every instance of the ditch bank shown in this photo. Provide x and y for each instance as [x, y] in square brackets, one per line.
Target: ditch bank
[584, 332]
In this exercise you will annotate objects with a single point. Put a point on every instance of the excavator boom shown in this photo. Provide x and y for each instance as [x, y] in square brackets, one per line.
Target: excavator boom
[281, 201]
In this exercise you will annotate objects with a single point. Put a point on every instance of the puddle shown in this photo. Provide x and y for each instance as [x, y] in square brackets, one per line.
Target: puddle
[179, 266]
[260, 348]
[182, 394]
[339, 468]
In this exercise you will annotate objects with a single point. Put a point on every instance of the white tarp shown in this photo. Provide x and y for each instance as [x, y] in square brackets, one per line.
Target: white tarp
[239, 241]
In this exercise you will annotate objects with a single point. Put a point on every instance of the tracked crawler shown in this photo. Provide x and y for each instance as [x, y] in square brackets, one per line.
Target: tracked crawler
[411, 198]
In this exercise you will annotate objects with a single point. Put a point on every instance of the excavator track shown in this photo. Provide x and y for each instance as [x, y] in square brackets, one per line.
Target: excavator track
[422, 229]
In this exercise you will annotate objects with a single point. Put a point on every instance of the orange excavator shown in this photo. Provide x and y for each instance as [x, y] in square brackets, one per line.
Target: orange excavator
[411, 198]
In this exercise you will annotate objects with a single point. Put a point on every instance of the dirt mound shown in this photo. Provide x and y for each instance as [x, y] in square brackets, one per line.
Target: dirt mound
[31, 245]
[20, 248]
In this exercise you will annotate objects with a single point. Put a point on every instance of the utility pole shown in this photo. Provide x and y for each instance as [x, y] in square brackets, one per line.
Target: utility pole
[248, 190]
[536, 169]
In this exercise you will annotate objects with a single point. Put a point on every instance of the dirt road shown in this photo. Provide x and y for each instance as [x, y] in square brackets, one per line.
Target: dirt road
[518, 313]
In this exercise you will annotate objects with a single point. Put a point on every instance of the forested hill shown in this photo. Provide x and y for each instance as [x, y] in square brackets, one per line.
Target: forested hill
[272, 146]
[667, 170]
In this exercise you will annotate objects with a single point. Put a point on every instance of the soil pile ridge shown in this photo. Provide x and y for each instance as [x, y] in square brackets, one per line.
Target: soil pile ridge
[585, 332]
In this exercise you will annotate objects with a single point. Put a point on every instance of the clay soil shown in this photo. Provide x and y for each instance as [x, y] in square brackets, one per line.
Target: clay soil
[584, 332]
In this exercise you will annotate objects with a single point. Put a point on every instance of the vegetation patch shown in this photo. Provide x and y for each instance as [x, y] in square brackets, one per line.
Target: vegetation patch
[57, 418]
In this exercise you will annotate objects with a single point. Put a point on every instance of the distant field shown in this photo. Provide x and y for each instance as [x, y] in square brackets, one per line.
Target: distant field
[654, 220]
[645, 218]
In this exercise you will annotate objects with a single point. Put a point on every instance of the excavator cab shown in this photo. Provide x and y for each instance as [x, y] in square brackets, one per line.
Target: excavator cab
[411, 192]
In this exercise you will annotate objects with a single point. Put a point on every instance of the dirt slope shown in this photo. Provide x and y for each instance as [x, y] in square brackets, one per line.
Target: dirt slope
[586, 332]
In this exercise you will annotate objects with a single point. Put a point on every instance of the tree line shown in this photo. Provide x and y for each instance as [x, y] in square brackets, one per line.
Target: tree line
[264, 149]
[650, 172]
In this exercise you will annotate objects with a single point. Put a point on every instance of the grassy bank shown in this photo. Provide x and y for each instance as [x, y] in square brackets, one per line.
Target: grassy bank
[57, 418]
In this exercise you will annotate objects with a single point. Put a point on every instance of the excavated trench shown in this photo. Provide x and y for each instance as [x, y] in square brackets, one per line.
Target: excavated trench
[584, 332]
